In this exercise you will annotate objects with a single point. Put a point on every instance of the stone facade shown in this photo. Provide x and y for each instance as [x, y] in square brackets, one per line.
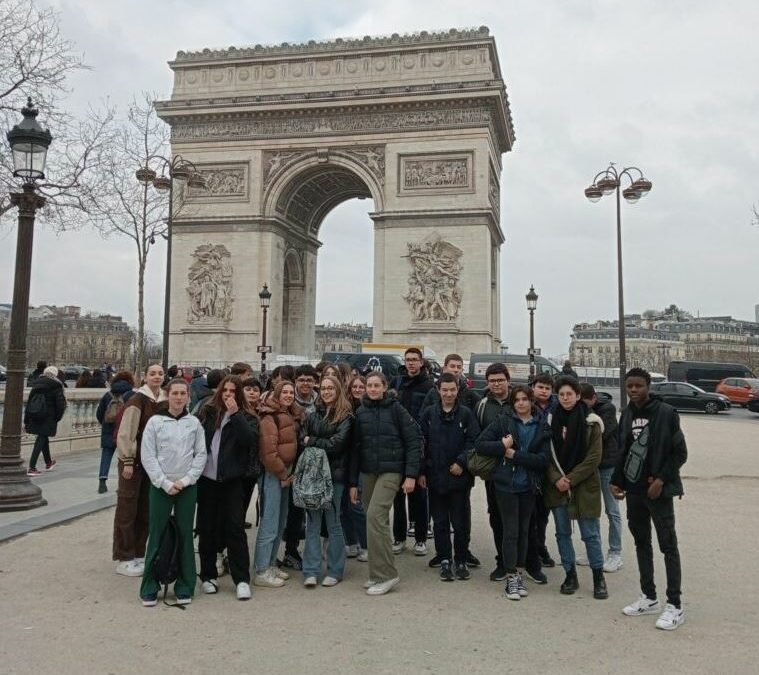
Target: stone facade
[284, 134]
[341, 337]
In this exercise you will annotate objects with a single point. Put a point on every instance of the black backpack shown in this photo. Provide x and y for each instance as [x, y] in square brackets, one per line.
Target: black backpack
[166, 562]
[36, 406]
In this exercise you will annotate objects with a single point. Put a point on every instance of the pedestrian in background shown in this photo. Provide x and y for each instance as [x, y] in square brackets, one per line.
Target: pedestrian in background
[45, 406]
[108, 413]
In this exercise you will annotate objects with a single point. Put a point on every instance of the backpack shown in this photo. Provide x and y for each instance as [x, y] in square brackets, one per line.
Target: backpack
[312, 488]
[113, 409]
[120, 415]
[165, 568]
[36, 406]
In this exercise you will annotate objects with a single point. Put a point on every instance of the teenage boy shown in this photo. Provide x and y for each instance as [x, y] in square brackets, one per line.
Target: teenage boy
[411, 388]
[493, 404]
[305, 397]
[650, 431]
[454, 364]
[604, 408]
[449, 429]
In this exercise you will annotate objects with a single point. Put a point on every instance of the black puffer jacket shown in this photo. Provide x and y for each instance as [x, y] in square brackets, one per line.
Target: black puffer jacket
[605, 409]
[332, 437]
[385, 440]
[55, 406]
[466, 397]
[411, 390]
[238, 451]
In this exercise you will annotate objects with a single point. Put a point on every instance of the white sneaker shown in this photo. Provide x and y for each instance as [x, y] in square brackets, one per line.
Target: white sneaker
[363, 555]
[642, 606]
[399, 546]
[420, 548]
[330, 581]
[280, 573]
[582, 560]
[309, 582]
[184, 601]
[369, 583]
[670, 618]
[243, 591]
[129, 568]
[613, 563]
[268, 579]
[210, 587]
[383, 587]
[352, 551]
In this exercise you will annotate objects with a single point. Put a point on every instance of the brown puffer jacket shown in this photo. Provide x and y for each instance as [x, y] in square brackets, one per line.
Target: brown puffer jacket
[278, 437]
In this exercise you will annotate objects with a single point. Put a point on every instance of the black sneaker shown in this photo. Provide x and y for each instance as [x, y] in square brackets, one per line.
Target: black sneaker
[472, 560]
[292, 562]
[435, 562]
[498, 574]
[546, 560]
[446, 573]
[462, 572]
[536, 576]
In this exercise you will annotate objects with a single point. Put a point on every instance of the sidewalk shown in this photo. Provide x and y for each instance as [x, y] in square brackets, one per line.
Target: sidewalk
[71, 492]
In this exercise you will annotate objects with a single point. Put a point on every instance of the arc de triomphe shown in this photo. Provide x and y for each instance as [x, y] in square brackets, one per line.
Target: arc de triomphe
[283, 134]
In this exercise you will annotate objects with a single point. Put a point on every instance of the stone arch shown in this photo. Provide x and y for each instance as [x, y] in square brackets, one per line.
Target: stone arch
[294, 319]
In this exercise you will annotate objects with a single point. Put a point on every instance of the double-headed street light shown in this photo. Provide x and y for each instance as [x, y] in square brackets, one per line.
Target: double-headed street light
[604, 183]
[29, 143]
[532, 304]
[176, 168]
[265, 297]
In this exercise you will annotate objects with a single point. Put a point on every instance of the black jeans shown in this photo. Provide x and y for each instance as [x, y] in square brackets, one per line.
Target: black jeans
[451, 509]
[496, 524]
[516, 510]
[536, 538]
[295, 529]
[640, 512]
[41, 445]
[418, 512]
[221, 522]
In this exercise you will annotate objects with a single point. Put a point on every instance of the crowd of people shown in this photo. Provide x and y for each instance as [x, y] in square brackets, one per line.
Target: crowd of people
[331, 452]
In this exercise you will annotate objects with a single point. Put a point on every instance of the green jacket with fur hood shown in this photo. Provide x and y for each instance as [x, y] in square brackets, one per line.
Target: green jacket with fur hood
[584, 497]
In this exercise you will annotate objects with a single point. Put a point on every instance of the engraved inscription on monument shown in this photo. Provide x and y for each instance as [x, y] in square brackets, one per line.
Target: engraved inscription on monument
[435, 173]
[210, 285]
[433, 284]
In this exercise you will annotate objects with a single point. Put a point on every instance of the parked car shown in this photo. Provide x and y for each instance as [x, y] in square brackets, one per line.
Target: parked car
[684, 396]
[739, 390]
[705, 374]
[518, 365]
[753, 405]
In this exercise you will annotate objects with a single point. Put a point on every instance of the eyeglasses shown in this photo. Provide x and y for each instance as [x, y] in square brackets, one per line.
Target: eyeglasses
[303, 380]
[499, 381]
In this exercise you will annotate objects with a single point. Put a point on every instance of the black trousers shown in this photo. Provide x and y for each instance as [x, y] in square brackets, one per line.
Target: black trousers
[41, 445]
[221, 523]
[418, 512]
[516, 511]
[536, 537]
[496, 524]
[451, 509]
[295, 529]
[641, 511]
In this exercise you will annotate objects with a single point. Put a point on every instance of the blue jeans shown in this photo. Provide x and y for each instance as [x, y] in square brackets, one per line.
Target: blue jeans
[611, 506]
[106, 455]
[590, 531]
[271, 527]
[312, 551]
[353, 519]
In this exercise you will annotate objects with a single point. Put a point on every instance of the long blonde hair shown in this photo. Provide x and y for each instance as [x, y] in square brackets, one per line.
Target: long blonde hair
[342, 407]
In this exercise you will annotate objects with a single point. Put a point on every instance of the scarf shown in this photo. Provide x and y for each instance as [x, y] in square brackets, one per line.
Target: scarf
[571, 447]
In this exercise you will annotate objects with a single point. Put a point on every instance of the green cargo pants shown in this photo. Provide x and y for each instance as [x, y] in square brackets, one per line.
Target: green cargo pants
[378, 494]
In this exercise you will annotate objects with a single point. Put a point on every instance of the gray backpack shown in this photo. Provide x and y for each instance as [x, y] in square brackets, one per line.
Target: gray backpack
[312, 487]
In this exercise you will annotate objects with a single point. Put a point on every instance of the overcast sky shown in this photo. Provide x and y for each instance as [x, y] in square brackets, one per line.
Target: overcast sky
[670, 87]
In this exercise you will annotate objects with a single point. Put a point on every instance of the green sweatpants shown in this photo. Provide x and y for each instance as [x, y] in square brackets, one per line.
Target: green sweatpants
[378, 494]
[161, 505]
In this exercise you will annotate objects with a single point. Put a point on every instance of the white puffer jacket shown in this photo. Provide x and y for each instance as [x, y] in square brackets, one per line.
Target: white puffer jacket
[173, 448]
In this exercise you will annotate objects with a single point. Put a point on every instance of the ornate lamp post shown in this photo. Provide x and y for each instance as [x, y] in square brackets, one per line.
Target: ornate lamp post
[176, 168]
[532, 303]
[265, 296]
[29, 143]
[604, 183]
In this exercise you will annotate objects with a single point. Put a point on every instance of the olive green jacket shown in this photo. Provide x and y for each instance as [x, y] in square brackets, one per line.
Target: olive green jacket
[584, 497]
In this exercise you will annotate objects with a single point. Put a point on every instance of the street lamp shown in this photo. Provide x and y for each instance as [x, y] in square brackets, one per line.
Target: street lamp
[29, 143]
[604, 183]
[265, 296]
[532, 303]
[176, 168]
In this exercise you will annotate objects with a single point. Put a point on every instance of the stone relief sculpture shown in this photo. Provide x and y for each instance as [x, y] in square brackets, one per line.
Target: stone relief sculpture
[230, 181]
[435, 173]
[434, 293]
[373, 158]
[210, 285]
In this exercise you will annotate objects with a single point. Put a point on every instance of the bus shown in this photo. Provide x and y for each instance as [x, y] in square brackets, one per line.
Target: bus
[705, 374]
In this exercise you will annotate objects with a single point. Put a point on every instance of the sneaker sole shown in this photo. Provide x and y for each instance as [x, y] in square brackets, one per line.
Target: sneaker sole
[655, 610]
[513, 597]
[672, 627]
[151, 603]
[372, 591]
[184, 601]
[420, 553]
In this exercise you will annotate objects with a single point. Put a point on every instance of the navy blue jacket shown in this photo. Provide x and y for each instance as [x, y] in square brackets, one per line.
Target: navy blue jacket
[120, 388]
[448, 437]
[534, 459]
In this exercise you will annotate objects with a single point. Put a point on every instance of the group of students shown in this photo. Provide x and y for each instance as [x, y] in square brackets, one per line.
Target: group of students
[552, 447]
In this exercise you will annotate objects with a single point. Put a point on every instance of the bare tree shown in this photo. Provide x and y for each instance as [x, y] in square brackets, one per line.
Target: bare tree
[35, 61]
[128, 207]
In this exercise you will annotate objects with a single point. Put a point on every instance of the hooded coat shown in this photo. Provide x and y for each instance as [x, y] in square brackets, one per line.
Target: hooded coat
[55, 406]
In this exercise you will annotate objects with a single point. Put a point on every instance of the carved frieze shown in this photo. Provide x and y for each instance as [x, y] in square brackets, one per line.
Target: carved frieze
[209, 286]
[223, 182]
[449, 172]
[433, 283]
[494, 190]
